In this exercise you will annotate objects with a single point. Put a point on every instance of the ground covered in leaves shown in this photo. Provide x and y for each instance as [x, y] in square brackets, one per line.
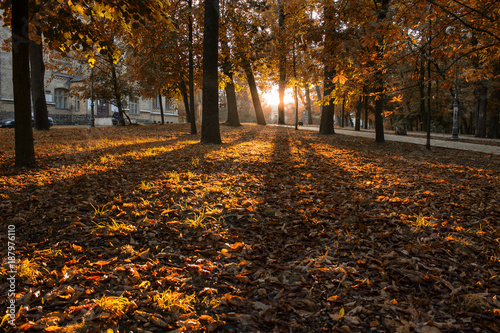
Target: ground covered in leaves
[143, 229]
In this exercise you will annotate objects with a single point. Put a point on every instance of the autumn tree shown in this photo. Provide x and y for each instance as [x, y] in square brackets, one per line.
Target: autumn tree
[25, 153]
[210, 131]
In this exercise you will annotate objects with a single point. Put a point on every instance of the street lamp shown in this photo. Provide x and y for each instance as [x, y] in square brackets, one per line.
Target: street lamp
[454, 131]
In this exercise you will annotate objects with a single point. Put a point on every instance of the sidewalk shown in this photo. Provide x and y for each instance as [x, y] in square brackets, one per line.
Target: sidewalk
[483, 148]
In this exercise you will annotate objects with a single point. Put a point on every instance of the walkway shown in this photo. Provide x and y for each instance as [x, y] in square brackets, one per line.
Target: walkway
[420, 139]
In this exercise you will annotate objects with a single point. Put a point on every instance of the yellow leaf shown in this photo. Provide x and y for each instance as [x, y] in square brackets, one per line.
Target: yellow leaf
[226, 253]
[340, 79]
[398, 98]
[341, 313]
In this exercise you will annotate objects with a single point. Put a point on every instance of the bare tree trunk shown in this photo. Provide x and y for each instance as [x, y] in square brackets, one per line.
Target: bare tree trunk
[161, 110]
[190, 114]
[481, 107]
[357, 126]
[261, 120]
[379, 79]
[210, 128]
[185, 100]
[117, 93]
[25, 151]
[282, 62]
[327, 114]
[308, 105]
[233, 118]
[40, 112]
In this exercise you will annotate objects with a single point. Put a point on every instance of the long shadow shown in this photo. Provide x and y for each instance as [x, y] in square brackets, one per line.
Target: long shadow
[309, 238]
[99, 188]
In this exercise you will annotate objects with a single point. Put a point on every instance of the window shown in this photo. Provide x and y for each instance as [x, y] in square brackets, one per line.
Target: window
[133, 106]
[61, 98]
[48, 96]
[156, 102]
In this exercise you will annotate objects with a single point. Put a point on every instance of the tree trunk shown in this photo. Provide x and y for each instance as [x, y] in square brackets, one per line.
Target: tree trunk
[308, 105]
[40, 112]
[365, 106]
[282, 62]
[379, 78]
[326, 124]
[357, 126]
[421, 89]
[327, 120]
[161, 110]
[494, 130]
[318, 93]
[117, 93]
[185, 100]
[210, 129]
[190, 110]
[233, 118]
[259, 114]
[25, 151]
[481, 107]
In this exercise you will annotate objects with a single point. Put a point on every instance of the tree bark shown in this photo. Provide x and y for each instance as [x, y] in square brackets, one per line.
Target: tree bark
[185, 100]
[494, 129]
[379, 78]
[282, 63]
[233, 118]
[24, 149]
[161, 110]
[481, 107]
[117, 93]
[259, 114]
[308, 105]
[40, 112]
[365, 105]
[326, 124]
[357, 126]
[327, 114]
[190, 114]
[210, 129]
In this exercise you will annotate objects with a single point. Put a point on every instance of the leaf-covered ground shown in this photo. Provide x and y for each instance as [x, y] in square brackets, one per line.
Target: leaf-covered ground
[143, 229]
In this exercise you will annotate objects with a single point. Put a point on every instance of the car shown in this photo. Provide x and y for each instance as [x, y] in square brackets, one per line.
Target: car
[11, 123]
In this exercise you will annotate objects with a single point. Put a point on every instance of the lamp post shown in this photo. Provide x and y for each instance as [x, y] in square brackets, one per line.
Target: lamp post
[92, 117]
[454, 131]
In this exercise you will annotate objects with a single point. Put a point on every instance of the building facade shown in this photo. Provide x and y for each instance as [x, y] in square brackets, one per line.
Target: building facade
[67, 108]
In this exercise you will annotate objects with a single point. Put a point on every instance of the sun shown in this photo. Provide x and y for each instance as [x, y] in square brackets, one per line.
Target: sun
[272, 97]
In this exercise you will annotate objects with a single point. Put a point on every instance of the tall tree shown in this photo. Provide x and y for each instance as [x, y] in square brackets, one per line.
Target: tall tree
[282, 62]
[192, 116]
[40, 112]
[383, 6]
[326, 124]
[25, 151]
[210, 130]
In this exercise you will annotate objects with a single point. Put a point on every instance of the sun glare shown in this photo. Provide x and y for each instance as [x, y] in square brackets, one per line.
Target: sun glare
[272, 97]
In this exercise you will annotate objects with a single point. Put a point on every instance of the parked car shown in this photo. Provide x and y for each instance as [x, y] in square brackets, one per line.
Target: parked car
[11, 123]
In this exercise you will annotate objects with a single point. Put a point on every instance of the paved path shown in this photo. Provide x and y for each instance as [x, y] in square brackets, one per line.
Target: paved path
[483, 148]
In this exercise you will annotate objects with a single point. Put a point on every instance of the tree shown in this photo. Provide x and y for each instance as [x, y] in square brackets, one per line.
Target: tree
[210, 131]
[25, 152]
[326, 124]
[282, 61]
[37, 73]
